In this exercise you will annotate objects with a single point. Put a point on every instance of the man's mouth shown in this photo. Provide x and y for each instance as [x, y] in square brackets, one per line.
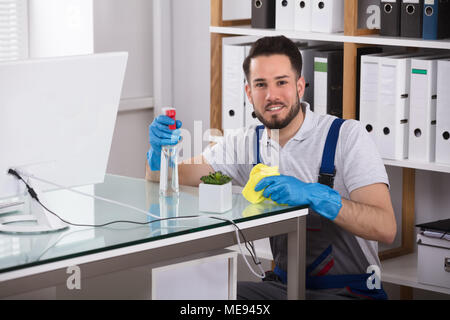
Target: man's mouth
[274, 108]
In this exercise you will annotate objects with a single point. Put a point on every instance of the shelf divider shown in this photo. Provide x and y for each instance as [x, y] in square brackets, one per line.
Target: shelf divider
[351, 20]
[349, 81]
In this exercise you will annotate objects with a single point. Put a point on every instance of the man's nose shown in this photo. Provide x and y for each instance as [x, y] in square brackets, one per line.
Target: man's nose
[273, 93]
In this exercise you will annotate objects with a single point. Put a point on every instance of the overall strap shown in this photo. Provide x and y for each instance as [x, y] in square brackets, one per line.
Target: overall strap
[327, 169]
[354, 283]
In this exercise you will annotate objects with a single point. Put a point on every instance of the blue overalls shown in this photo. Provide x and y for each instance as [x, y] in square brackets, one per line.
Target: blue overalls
[356, 284]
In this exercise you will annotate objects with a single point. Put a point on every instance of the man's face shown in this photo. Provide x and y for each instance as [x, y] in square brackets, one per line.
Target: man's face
[274, 90]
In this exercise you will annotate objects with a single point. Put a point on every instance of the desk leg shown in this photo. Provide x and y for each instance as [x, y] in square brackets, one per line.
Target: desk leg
[297, 261]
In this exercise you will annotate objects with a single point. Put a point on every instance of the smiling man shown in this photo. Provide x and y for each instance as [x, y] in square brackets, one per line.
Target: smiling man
[274, 90]
[327, 163]
[278, 93]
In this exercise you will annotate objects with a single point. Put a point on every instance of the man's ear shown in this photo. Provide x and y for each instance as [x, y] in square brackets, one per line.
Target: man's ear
[248, 91]
[301, 86]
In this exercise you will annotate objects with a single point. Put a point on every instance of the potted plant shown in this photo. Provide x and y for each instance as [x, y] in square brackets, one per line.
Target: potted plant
[215, 193]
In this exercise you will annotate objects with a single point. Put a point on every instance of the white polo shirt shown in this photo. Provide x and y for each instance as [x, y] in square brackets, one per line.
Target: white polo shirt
[357, 160]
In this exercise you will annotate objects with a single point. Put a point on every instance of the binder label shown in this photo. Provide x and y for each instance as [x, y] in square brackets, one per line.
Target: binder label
[419, 71]
[320, 66]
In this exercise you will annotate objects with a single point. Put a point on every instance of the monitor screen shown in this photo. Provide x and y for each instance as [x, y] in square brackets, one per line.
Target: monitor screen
[57, 117]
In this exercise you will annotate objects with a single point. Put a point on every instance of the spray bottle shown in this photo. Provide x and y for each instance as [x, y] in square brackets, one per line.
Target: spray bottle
[168, 182]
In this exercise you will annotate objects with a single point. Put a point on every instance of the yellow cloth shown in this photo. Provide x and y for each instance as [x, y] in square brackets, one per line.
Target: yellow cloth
[259, 172]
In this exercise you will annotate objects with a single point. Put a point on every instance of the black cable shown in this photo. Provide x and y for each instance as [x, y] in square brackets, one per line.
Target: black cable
[31, 191]
[112, 222]
[33, 194]
[247, 243]
[252, 251]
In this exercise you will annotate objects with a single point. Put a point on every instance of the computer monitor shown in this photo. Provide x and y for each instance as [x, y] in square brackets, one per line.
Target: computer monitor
[57, 117]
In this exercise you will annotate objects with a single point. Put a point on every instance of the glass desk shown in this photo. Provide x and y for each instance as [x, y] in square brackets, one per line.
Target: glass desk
[31, 262]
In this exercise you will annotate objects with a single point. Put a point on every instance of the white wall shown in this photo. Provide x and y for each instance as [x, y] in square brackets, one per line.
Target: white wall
[126, 25]
[191, 61]
[191, 56]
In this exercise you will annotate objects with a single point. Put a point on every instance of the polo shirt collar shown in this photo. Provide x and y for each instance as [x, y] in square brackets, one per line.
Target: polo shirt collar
[309, 123]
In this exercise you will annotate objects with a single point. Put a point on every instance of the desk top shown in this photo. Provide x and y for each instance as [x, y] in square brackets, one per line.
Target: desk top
[22, 251]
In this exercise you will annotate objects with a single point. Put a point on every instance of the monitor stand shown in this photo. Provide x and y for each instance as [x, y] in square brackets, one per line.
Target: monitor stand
[34, 219]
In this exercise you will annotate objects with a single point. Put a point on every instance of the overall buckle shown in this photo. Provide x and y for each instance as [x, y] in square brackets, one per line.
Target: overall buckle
[327, 179]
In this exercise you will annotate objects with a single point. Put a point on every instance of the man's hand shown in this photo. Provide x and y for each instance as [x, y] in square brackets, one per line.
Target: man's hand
[161, 135]
[291, 191]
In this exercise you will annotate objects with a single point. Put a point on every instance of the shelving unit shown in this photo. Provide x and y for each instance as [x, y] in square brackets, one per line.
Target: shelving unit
[403, 271]
[352, 38]
[428, 166]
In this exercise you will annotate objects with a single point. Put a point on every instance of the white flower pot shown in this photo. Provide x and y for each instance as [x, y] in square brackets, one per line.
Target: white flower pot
[215, 198]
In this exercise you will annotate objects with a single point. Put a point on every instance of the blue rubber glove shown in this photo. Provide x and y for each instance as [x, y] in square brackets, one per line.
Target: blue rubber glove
[291, 191]
[160, 135]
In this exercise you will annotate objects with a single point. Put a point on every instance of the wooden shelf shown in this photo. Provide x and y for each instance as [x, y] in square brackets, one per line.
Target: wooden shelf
[403, 271]
[335, 37]
[429, 166]
[249, 31]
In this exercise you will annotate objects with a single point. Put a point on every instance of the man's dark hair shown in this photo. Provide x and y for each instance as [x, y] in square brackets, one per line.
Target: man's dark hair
[268, 46]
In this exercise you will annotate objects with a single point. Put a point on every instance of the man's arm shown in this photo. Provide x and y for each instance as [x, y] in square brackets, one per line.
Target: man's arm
[369, 214]
[189, 172]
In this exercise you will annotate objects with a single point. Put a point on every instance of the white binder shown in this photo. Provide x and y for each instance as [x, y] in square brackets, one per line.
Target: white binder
[422, 132]
[443, 113]
[327, 16]
[284, 15]
[249, 114]
[393, 106]
[302, 15]
[368, 101]
[233, 94]
[320, 87]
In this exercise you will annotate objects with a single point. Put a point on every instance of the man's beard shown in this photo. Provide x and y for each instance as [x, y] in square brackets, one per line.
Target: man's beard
[276, 123]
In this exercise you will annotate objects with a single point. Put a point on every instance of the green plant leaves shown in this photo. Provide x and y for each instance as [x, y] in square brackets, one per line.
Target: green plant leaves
[216, 178]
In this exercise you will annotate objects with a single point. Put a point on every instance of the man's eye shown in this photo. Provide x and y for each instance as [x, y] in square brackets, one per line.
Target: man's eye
[282, 82]
[260, 85]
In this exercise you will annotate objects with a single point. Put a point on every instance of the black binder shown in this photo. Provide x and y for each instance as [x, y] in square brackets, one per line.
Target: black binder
[436, 19]
[390, 18]
[412, 18]
[441, 225]
[263, 14]
[335, 71]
